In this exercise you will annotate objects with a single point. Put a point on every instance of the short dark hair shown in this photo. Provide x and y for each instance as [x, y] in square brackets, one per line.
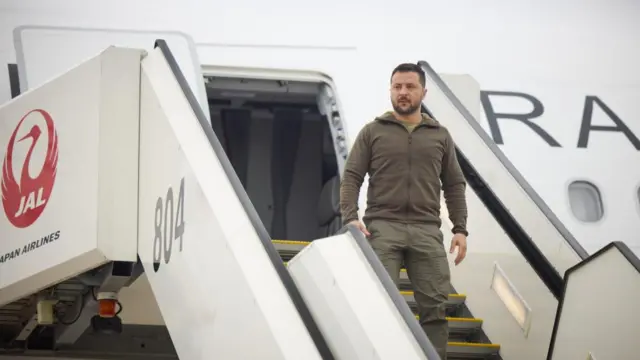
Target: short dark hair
[408, 67]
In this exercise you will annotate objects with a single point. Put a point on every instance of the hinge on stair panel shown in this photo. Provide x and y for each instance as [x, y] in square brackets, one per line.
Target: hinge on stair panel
[328, 106]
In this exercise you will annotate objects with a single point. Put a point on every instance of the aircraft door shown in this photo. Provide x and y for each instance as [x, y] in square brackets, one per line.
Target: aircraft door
[328, 106]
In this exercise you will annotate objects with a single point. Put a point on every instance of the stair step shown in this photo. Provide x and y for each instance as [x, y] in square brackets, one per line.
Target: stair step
[453, 300]
[289, 248]
[468, 350]
[463, 324]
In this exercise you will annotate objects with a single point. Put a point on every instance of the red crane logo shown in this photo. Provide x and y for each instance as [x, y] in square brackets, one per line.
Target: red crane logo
[24, 201]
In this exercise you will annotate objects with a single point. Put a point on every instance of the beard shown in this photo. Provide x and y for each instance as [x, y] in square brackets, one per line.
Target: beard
[406, 109]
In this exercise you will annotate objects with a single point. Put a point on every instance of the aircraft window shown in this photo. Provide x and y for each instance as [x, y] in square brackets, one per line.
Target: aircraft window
[585, 201]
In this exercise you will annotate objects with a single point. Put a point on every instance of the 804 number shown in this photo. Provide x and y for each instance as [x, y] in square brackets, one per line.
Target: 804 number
[168, 226]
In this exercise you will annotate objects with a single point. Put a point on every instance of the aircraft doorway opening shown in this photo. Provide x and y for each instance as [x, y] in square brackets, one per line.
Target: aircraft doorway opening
[282, 147]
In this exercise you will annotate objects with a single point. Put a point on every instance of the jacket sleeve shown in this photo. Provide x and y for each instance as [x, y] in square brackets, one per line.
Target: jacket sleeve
[453, 187]
[355, 169]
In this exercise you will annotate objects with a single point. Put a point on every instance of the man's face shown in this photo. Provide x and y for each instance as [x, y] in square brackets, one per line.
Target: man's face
[406, 92]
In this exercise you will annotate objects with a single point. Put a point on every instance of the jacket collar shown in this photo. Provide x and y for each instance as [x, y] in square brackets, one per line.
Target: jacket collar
[426, 119]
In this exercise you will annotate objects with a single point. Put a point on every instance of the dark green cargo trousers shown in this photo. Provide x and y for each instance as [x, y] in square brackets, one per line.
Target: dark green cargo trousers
[420, 247]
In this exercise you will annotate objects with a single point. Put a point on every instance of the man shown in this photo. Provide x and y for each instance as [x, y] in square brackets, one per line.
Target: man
[409, 158]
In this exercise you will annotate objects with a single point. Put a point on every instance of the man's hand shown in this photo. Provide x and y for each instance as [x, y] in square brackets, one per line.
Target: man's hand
[459, 241]
[360, 226]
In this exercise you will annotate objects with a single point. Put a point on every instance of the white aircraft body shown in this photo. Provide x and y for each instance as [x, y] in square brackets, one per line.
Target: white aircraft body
[552, 86]
[572, 84]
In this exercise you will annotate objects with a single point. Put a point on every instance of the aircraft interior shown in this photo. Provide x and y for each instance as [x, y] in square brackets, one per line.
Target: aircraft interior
[281, 148]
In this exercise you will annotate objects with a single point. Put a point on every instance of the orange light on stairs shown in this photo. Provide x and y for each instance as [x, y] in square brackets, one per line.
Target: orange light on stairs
[107, 304]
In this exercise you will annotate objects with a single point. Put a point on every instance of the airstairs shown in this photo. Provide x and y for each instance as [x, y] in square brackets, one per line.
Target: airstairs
[139, 242]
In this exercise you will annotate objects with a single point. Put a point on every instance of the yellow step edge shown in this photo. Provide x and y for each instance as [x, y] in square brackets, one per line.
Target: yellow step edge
[477, 345]
[458, 295]
[291, 242]
[458, 319]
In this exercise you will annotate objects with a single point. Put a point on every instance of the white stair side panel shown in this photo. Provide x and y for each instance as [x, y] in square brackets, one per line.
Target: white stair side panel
[70, 162]
[352, 308]
[466, 89]
[610, 276]
[219, 295]
[119, 143]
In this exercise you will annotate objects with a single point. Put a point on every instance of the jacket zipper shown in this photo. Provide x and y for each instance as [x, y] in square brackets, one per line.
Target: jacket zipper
[408, 179]
[409, 161]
